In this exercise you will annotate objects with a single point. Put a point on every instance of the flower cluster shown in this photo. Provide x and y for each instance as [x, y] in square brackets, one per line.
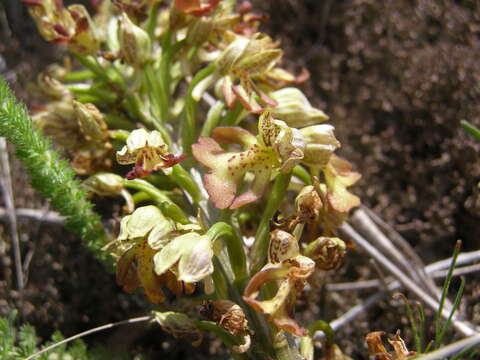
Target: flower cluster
[125, 109]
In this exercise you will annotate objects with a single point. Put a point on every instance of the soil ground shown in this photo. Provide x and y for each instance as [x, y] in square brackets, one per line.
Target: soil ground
[395, 77]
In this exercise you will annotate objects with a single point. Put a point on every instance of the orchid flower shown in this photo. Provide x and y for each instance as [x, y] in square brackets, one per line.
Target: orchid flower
[148, 152]
[276, 148]
[142, 234]
[243, 59]
[290, 270]
[72, 26]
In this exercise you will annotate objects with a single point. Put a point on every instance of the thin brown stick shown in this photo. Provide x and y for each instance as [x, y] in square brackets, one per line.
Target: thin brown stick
[406, 249]
[347, 231]
[51, 217]
[452, 349]
[88, 332]
[6, 181]
[375, 283]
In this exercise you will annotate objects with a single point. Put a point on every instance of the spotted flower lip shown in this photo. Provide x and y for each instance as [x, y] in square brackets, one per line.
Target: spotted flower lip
[277, 148]
[148, 152]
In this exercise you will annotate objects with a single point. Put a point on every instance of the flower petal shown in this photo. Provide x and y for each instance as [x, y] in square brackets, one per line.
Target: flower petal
[196, 263]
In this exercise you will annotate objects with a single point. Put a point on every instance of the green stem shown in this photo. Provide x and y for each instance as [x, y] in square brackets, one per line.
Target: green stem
[219, 279]
[300, 172]
[472, 130]
[152, 20]
[156, 95]
[184, 180]
[117, 121]
[170, 209]
[140, 196]
[231, 118]
[228, 339]
[79, 76]
[213, 118]
[116, 84]
[236, 252]
[105, 96]
[260, 246]
[324, 326]
[189, 130]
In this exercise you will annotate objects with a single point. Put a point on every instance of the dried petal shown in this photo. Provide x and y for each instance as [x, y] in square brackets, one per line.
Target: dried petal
[328, 253]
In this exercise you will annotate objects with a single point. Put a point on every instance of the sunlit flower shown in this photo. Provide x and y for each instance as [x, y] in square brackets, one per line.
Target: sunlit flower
[244, 59]
[295, 109]
[148, 152]
[189, 256]
[141, 236]
[276, 148]
[290, 270]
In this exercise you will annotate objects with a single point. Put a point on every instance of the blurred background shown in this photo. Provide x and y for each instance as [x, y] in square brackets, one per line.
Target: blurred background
[395, 77]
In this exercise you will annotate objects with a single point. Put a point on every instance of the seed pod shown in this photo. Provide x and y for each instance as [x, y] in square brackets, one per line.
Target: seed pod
[308, 204]
[327, 252]
[282, 246]
[135, 43]
[91, 122]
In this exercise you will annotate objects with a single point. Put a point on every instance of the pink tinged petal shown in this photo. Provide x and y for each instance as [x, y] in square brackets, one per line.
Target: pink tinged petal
[219, 183]
[256, 191]
[248, 100]
[227, 92]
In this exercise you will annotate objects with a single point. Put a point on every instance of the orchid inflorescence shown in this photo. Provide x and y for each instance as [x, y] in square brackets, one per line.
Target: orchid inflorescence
[181, 108]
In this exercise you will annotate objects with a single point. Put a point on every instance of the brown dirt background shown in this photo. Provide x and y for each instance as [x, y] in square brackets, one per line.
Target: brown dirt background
[396, 78]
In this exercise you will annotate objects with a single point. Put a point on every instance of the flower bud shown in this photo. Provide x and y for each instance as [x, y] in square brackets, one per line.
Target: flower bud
[199, 31]
[295, 109]
[179, 325]
[104, 184]
[91, 122]
[134, 42]
[328, 253]
[320, 144]
[282, 246]
[308, 204]
[51, 86]
[231, 54]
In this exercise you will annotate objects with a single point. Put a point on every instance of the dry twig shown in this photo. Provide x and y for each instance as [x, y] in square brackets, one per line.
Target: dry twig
[6, 181]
